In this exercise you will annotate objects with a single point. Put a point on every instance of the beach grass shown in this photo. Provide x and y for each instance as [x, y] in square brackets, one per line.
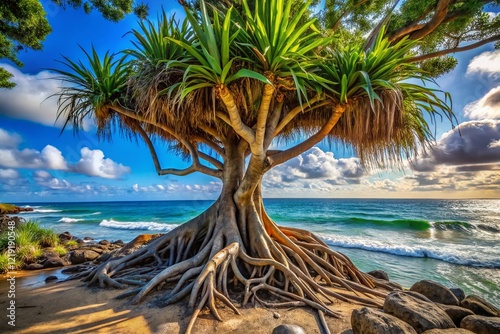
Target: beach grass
[28, 238]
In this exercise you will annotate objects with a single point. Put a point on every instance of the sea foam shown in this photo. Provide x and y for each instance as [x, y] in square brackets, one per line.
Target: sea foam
[438, 253]
[70, 220]
[137, 225]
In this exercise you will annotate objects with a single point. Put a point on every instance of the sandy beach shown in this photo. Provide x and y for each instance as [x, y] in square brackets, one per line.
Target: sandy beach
[71, 307]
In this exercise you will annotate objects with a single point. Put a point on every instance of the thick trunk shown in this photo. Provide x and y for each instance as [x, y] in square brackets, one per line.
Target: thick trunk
[236, 241]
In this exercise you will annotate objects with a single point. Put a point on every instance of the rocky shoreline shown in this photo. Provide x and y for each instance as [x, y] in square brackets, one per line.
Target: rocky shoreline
[427, 307]
[430, 308]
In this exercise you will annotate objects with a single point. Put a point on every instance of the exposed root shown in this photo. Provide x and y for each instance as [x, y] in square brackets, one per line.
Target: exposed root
[279, 267]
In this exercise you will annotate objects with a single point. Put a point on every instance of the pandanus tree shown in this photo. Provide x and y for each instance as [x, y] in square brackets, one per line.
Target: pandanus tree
[220, 88]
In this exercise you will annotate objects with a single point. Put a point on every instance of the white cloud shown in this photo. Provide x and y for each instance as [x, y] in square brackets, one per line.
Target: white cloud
[93, 163]
[31, 98]
[49, 158]
[486, 107]
[28, 99]
[486, 62]
[9, 174]
[8, 139]
[316, 171]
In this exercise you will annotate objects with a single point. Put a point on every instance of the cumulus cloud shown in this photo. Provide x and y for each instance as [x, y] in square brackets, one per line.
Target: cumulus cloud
[314, 170]
[9, 139]
[30, 99]
[486, 107]
[91, 163]
[485, 63]
[9, 174]
[471, 143]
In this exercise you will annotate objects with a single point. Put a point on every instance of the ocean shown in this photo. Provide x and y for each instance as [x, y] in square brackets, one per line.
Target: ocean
[454, 242]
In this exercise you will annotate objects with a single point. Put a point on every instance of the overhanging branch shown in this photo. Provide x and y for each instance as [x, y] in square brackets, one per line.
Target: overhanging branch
[292, 152]
[454, 50]
[196, 165]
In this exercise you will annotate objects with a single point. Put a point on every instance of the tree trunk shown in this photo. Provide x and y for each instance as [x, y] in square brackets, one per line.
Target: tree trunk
[235, 240]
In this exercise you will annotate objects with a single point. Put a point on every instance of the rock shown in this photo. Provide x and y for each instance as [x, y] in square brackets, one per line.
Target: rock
[480, 306]
[51, 278]
[276, 315]
[104, 243]
[481, 325]
[119, 243]
[53, 261]
[436, 292]
[456, 313]
[379, 274]
[34, 266]
[459, 293]
[65, 236]
[389, 285]
[373, 321]
[417, 310]
[288, 329]
[448, 331]
[80, 256]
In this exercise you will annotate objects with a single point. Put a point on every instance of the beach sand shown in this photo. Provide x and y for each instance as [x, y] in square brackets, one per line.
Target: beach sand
[70, 307]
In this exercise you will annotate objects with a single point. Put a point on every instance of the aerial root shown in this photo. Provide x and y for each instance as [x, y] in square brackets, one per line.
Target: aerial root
[201, 259]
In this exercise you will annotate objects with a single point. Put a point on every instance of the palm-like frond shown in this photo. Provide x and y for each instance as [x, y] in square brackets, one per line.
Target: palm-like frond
[92, 88]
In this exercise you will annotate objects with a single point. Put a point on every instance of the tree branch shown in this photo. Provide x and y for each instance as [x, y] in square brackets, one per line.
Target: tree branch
[219, 150]
[211, 160]
[454, 50]
[292, 152]
[234, 116]
[260, 131]
[294, 112]
[435, 21]
[271, 125]
[196, 165]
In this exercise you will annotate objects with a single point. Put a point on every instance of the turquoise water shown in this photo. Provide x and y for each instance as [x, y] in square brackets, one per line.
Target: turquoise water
[455, 242]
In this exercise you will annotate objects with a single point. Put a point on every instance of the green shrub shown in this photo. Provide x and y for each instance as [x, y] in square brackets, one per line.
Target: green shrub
[28, 253]
[61, 250]
[4, 263]
[71, 243]
[29, 239]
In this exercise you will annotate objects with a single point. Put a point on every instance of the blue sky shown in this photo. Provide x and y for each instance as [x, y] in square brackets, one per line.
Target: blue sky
[39, 163]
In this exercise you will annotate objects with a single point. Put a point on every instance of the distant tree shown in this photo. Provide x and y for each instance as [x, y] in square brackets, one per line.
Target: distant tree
[23, 25]
[219, 89]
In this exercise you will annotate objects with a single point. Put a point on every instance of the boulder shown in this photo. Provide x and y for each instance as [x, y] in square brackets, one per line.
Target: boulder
[104, 243]
[480, 306]
[34, 266]
[456, 313]
[288, 329]
[373, 321]
[65, 236]
[417, 310]
[80, 256]
[436, 292]
[51, 278]
[53, 261]
[481, 325]
[379, 274]
[448, 331]
[459, 293]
